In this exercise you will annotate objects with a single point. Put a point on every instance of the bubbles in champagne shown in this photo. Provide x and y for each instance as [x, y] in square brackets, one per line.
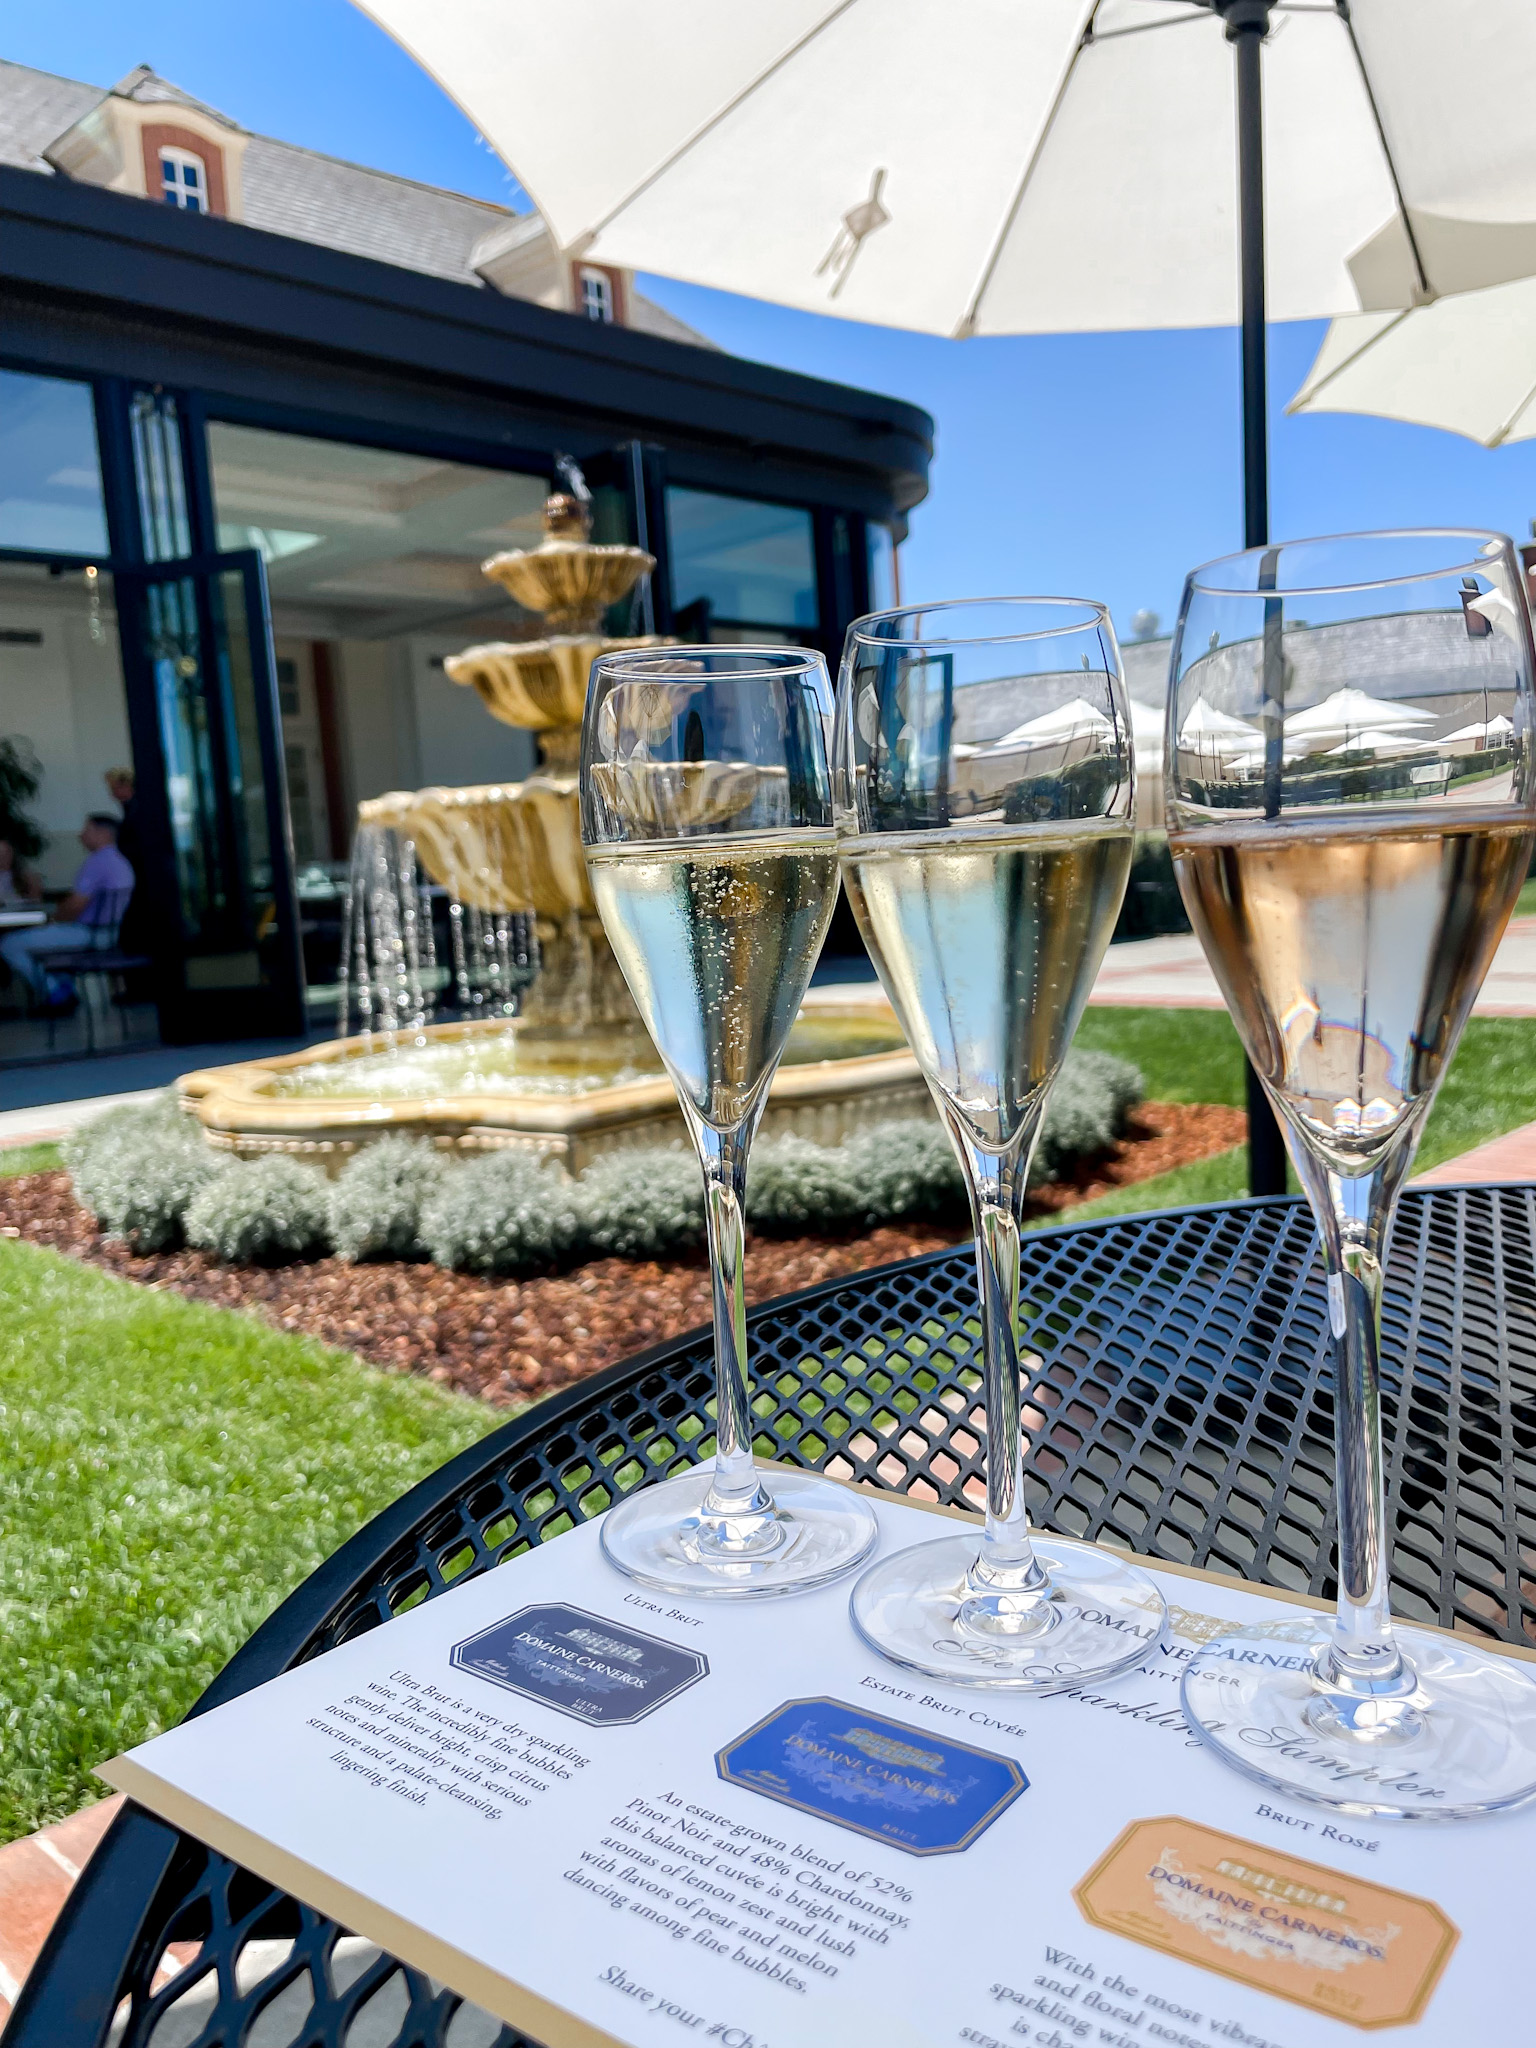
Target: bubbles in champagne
[988, 944]
[717, 941]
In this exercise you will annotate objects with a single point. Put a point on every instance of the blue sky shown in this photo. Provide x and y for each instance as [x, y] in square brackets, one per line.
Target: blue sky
[1101, 465]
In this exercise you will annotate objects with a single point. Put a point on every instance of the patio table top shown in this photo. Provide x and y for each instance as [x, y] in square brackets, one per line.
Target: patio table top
[1179, 1400]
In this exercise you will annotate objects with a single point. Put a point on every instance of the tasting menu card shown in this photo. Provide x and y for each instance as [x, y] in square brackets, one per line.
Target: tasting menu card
[609, 1815]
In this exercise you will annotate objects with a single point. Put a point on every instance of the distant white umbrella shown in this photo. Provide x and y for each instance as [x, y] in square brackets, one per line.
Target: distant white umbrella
[1206, 722]
[1382, 743]
[1495, 731]
[1065, 722]
[1345, 716]
[1467, 364]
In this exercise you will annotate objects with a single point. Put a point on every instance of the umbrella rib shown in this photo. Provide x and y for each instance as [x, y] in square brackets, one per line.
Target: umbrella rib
[722, 113]
[1350, 360]
[966, 324]
[1342, 7]
[1505, 430]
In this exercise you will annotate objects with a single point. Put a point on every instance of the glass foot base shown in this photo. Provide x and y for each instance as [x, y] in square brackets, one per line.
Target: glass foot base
[1462, 1742]
[1097, 1615]
[816, 1532]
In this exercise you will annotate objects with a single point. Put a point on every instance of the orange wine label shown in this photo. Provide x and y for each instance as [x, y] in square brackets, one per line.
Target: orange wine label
[1337, 1944]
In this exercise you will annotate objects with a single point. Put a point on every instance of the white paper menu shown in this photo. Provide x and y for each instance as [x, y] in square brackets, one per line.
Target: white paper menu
[611, 1816]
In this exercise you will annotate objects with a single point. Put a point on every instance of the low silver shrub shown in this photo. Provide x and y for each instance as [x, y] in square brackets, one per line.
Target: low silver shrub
[907, 1169]
[1086, 1112]
[260, 1212]
[643, 1204]
[136, 1169]
[375, 1205]
[794, 1185]
[505, 1213]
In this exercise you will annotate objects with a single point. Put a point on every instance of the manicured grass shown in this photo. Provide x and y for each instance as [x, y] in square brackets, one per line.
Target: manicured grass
[1490, 1089]
[40, 1158]
[1184, 1055]
[1222, 1178]
[167, 1473]
[1194, 1056]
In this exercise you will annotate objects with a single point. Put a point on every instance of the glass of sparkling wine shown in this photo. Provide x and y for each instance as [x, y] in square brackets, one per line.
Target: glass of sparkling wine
[1351, 804]
[984, 770]
[706, 813]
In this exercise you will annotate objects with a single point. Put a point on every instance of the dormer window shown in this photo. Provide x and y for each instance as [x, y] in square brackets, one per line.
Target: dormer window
[183, 180]
[596, 294]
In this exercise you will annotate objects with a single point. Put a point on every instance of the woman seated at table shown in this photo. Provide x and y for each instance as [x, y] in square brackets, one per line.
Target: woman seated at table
[19, 884]
[93, 906]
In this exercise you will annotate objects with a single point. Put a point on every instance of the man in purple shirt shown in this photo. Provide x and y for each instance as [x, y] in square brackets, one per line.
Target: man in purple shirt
[93, 908]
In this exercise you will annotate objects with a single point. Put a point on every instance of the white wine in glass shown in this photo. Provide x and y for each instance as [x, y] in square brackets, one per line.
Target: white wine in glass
[985, 773]
[707, 825]
[1352, 811]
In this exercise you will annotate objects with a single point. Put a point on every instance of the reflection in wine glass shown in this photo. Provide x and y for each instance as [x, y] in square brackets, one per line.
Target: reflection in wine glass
[984, 792]
[1351, 805]
[707, 822]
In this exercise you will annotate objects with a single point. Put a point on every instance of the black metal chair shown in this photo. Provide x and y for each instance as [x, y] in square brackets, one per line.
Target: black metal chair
[101, 963]
[1179, 1399]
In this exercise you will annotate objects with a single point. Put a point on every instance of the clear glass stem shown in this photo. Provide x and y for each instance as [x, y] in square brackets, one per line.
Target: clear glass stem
[1363, 1663]
[1008, 1584]
[737, 1502]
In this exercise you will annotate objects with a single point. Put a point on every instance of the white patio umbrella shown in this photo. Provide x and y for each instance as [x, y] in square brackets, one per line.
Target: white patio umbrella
[1020, 166]
[1206, 722]
[1467, 364]
[1065, 721]
[1007, 168]
[1346, 715]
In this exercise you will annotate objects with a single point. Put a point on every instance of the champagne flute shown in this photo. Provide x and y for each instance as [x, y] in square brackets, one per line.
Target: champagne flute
[984, 766]
[706, 814]
[1351, 803]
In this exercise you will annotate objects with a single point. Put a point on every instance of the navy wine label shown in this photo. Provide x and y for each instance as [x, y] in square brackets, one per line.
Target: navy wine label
[602, 1672]
[900, 1785]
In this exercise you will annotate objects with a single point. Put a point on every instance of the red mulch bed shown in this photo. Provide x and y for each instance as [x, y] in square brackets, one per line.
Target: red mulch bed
[511, 1340]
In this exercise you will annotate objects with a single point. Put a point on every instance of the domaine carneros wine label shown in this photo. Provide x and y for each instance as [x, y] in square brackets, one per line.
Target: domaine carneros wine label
[1323, 1938]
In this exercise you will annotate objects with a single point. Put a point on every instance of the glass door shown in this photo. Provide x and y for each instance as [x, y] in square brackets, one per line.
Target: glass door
[198, 632]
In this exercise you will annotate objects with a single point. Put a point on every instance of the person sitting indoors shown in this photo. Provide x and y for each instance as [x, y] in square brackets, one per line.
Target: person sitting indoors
[19, 886]
[97, 901]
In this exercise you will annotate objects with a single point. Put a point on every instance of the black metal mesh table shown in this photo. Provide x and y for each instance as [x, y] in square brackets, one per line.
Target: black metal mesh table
[1179, 1400]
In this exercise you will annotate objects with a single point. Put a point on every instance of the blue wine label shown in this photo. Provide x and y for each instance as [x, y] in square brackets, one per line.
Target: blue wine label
[917, 1791]
[598, 1671]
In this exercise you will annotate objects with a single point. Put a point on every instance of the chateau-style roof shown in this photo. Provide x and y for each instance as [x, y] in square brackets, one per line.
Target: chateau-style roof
[302, 193]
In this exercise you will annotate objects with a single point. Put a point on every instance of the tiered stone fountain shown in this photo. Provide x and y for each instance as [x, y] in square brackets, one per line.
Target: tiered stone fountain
[572, 1073]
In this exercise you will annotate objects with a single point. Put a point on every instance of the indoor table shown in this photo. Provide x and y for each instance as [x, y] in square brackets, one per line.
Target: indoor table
[1178, 1398]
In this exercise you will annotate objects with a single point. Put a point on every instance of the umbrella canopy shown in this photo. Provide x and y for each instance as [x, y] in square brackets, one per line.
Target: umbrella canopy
[1066, 721]
[1348, 713]
[998, 168]
[1382, 743]
[1206, 722]
[1467, 364]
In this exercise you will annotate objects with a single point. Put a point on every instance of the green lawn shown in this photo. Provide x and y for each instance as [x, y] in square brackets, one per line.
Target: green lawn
[169, 1472]
[1194, 1056]
[29, 1159]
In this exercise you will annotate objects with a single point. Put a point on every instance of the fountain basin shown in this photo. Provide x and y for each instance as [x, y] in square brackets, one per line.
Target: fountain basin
[488, 1086]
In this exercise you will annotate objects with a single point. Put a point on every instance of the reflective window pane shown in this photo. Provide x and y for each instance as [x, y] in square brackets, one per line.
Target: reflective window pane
[748, 562]
[50, 473]
[379, 541]
[882, 567]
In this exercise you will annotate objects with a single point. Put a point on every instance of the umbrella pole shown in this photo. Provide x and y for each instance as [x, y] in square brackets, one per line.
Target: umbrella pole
[1247, 23]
